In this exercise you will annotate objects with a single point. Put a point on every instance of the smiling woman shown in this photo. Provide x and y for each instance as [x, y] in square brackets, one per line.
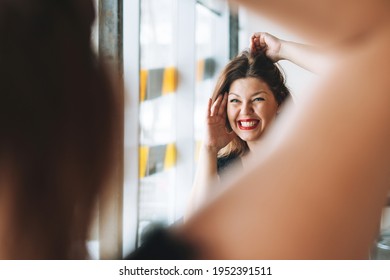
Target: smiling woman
[251, 108]
[247, 97]
[256, 90]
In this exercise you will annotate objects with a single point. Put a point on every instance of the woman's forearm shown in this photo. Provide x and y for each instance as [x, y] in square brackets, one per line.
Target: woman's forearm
[305, 56]
[205, 177]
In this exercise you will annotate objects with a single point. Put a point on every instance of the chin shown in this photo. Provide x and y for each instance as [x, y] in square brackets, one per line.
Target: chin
[250, 138]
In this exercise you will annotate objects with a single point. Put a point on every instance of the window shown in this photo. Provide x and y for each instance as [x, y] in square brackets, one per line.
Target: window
[172, 52]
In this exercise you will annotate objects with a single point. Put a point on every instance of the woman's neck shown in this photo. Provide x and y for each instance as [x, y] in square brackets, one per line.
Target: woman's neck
[253, 145]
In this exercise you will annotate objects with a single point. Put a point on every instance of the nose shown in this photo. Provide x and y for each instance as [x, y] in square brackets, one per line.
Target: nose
[247, 108]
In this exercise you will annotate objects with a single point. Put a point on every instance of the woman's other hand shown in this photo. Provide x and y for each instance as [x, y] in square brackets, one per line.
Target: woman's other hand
[269, 44]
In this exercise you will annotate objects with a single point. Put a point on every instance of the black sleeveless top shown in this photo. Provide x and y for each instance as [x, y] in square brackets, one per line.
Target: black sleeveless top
[224, 163]
[162, 244]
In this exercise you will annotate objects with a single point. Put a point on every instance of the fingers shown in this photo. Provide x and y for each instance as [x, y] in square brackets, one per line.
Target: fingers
[257, 42]
[262, 42]
[215, 107]
[222, 107]
[252, 43]
[209, 107]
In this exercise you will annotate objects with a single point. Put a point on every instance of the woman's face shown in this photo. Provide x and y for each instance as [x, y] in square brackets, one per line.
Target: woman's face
[251, 108]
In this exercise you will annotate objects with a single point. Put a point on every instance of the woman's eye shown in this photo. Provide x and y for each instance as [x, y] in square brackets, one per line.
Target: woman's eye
[234, 100]
[259, 99]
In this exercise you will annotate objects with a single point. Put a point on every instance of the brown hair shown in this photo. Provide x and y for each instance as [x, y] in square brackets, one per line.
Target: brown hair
[247, 65]
[57, 122]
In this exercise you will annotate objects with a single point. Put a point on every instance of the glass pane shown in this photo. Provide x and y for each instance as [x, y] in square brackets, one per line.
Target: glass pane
[207, 50]
[158, 80]
[216, 6]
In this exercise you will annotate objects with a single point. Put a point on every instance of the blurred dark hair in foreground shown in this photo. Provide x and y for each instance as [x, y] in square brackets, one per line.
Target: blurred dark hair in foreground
[57, 123]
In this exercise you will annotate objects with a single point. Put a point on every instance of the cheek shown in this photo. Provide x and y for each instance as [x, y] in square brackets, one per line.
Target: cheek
[266, 111]
[231, 114]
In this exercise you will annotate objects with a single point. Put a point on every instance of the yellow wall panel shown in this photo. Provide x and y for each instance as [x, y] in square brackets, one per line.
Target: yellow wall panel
[143, 83]
[170, 156]
[169, 80]
[143, 160]
[200, 70]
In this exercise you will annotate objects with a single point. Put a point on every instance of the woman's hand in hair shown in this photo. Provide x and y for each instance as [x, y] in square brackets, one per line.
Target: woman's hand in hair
[311, 58]
[269, 44]
[217, 135]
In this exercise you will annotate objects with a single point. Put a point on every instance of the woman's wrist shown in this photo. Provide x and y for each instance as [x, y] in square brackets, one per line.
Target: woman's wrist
[211, 149]
[283, 51]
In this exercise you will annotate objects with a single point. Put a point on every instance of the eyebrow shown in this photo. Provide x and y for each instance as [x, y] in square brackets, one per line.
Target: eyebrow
[253, 94]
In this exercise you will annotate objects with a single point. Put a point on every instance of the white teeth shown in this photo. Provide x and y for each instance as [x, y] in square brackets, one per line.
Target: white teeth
[248, 124]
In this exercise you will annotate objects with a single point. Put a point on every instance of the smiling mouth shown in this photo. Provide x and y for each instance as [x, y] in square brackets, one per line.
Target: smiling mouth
[248, 124]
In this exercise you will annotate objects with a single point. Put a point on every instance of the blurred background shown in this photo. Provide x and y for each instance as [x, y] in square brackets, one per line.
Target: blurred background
[167, 55]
